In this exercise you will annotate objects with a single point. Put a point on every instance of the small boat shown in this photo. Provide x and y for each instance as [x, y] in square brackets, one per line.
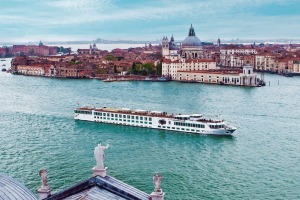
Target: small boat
[3, 60]
[148, 79]
[3, 69]
[163, 79]
[109, 80]
[288, 75]
[4, 65]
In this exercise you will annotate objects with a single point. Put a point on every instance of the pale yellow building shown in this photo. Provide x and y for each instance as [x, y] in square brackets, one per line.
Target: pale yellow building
[170, 68]
[229, 76]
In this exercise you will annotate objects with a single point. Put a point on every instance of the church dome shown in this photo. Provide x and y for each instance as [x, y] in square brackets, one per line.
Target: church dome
[192, 40]
[12, 189]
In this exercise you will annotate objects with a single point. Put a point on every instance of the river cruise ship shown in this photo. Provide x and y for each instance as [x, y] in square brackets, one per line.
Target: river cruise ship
[194, 123]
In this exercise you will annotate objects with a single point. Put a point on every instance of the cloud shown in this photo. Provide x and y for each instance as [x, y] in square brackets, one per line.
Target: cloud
[151, 17]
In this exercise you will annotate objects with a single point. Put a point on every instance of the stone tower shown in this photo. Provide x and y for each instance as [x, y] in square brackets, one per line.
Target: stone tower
[165, 47]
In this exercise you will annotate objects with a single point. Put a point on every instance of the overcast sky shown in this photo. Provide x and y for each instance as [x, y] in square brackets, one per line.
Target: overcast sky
[46, 20]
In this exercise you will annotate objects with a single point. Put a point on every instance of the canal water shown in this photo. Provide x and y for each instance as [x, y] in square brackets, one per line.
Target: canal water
[260, 161]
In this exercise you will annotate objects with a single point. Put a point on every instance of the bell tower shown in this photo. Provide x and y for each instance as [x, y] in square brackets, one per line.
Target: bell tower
[165, 47]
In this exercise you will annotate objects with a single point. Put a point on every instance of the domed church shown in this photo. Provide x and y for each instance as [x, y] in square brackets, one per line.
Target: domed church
[190, 47]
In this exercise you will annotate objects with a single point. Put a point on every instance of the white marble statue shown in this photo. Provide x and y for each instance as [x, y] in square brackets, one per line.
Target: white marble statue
[99, 155]
[157, 178]
[43, 174]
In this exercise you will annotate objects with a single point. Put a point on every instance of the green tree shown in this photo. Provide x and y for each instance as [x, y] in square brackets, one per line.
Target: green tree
[110, 57]
[136, 68]
[148, 69]
[159, 69]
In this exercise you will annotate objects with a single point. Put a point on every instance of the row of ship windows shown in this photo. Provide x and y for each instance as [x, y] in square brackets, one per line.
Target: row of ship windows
[216, 126]
[83, 112]
[124, 120]
[189, 124]
[122, 116]
[183, 129]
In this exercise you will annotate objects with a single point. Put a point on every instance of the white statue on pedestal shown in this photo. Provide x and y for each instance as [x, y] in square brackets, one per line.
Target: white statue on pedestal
[99, 155]
[43, 174]
[157, 178]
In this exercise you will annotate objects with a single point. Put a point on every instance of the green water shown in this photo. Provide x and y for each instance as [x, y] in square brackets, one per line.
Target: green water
[260, 161]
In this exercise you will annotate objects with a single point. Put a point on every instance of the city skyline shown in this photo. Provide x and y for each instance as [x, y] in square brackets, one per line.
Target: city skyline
[68, 20]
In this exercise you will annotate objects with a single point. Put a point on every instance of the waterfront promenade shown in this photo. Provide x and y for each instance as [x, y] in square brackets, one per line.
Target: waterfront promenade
[37, 130]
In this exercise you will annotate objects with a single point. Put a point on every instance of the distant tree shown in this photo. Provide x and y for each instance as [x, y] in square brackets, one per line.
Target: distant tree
[148, 69]
[72, 62]
[159, 69]
[136, 68]
[110, 58]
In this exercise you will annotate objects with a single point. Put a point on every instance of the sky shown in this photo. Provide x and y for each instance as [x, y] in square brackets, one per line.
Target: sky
[69, 20]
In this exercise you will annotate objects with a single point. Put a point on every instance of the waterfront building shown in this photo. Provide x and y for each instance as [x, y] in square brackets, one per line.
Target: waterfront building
[37, 50]
[265, 62]
[295, 67]
[170, 67]
[232, 55]
[229, 76]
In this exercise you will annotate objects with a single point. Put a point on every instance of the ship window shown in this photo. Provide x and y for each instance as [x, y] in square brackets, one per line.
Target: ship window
[136, 117]
[128, 120]
[177, 128]
[112, 118]
[108, 114]
[159, 126]
[182, 129]
[124, 120]
[124, 116]
[104, 117]
[168, 127]
[188, 129]
[164, 127]
[141, 118]
[150, 122]
[101, 114]
[132, 120]
[128, 116]
[145, 118]
[194, 125]
[145, 122]
[173, 127]
[150, 119]
[104, 114]
[112, 115]
[192, 129]
[94, 116]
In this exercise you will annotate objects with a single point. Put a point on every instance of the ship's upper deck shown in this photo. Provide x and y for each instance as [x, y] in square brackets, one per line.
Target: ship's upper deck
[179, 117]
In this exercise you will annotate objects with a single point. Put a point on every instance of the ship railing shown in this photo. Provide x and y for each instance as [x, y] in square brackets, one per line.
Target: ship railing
[209, 120]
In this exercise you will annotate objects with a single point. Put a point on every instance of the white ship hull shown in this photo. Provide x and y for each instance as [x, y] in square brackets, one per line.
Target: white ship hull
[148, 120]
